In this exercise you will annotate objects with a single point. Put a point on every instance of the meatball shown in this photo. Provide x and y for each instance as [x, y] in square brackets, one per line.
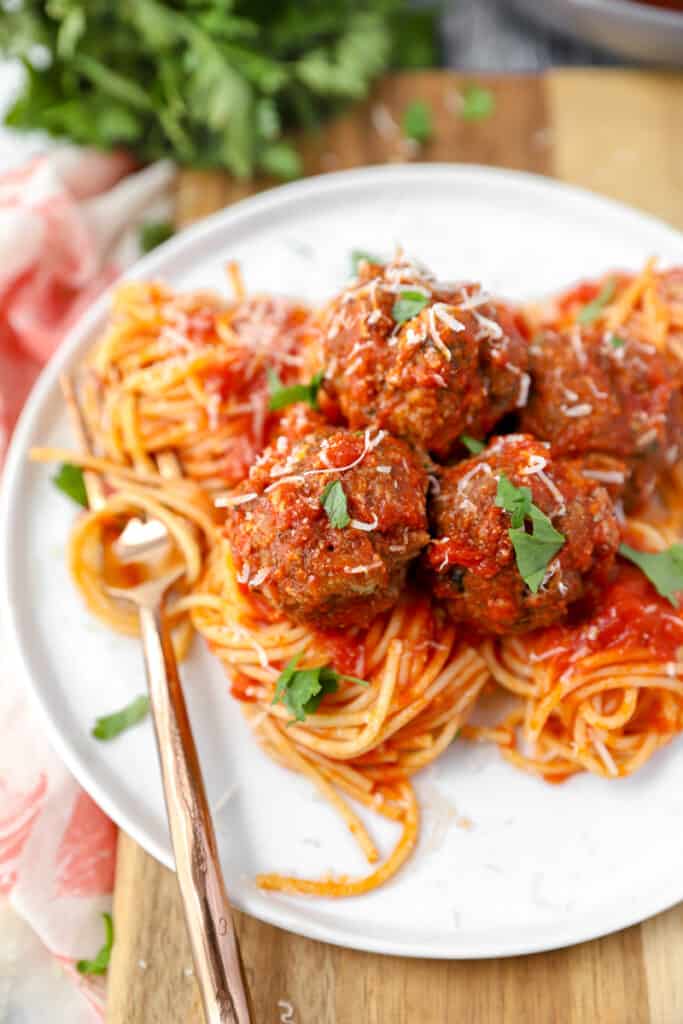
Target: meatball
[614, 395]
[472, 563]
[327, 525]
[456, 366]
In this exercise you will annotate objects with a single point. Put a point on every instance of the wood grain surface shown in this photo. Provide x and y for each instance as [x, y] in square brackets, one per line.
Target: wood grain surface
[619, 133]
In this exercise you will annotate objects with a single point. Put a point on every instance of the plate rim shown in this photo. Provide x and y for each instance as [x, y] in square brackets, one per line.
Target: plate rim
[290, 917]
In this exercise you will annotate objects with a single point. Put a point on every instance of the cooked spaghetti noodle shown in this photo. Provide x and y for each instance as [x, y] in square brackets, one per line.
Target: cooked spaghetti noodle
[600, 690]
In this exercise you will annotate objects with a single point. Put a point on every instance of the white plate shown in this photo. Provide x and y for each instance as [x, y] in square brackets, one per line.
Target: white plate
[541, 866]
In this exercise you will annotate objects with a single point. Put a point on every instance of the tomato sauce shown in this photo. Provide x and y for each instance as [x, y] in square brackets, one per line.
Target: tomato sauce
[628, 614]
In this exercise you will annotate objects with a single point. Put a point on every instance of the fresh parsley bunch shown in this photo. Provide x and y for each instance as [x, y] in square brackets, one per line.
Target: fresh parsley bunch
[213, 83]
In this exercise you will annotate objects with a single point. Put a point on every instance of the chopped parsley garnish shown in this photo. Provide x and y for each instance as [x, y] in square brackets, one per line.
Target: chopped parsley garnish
[282, 395]
[69, 480]
[302, 689]
[617, 342]
[333, 500]
[477, 103]
[408, 305]
[664, 569]
[101, 962]
[533, 551]
[592, 310]
[153, 233]
[357, 257]
[109, 726]
[473, 446]
[417, 122]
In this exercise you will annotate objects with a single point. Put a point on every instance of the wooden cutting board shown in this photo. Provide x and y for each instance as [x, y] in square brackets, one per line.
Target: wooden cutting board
[619, 133]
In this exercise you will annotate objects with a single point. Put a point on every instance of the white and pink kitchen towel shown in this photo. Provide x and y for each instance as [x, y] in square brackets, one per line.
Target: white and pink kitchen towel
[64, 218]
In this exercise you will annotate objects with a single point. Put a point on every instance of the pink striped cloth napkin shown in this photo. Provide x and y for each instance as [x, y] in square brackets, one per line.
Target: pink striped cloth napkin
[62, 216]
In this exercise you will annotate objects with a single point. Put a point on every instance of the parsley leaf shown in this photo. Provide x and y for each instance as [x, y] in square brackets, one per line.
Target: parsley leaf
[101, 962]
[417, 122]
[664, 569]
[69, 480]
[533, 551]
[302, 689]
[592, 310]
[333, 500]
[109, 726]
[282, 395]
[617, 342]
[515, 500]
[473, 446]
[213, 83]
[357, 257]
[408, 305]
[478, 103]
[153, 233]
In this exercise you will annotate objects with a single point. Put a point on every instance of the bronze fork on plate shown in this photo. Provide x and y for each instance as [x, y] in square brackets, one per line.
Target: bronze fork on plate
[215, 951]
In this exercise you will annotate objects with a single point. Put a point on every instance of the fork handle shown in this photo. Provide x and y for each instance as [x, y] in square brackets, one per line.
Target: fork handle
[218, 966]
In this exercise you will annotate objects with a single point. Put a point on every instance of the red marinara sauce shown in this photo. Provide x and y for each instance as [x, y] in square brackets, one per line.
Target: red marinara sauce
[628, 615]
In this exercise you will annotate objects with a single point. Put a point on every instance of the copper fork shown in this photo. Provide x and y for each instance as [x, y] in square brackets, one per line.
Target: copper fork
[218, 966]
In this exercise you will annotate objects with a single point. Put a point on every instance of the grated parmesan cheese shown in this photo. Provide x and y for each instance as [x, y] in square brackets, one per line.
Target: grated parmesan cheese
[231, 501]
[377, 564]
[577, 411]
[604, 476]
[358, 524]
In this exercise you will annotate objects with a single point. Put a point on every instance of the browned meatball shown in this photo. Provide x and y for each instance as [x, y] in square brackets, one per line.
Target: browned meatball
[472, 562]
[455, 367]
[595, 392]
[329, 525]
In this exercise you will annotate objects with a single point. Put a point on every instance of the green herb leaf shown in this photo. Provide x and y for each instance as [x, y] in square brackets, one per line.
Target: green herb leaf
[617, 342]
[109, 726]
[333, 500]
[101, 962]
[282, 395]
[515, 500]
[592, 310]
[301, 690]
[281, 160]
[664, 569]
[189, 79]
[473, 446]
[533, 551]
[153, 233]
[478, 103]
[357, 257]
[408, 305]
[69, 480]
[417, 122]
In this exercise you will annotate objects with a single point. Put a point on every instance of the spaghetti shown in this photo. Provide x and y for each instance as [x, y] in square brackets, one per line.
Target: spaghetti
[599, 691]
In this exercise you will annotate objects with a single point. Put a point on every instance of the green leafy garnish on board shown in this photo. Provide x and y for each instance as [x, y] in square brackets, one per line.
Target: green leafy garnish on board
[664, 569]
[617, 342]
[101, 962]
[416, 122]
[472, 444]
[478, 103]
[533, 551]
[333, 500]
[212, 83]
[153, 233]
[592, 310]
[282, 395]
[69, 480]
[302, 689]
[408, 305]
[358, 256]
[109, 726]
